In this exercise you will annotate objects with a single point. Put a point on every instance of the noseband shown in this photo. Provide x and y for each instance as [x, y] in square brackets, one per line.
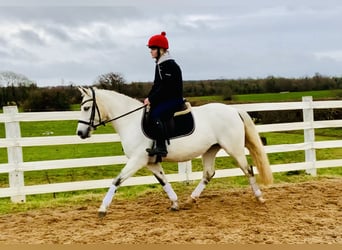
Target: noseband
[95, 108]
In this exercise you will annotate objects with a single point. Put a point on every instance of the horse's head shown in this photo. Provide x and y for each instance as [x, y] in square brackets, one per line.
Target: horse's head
[90, 114]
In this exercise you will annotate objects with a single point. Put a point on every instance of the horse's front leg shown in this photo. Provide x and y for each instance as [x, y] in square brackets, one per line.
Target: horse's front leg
[158, 172]
[208, 160]
[131, 167]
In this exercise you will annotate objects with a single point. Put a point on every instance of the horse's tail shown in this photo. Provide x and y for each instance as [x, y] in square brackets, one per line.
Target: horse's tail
[256, 149]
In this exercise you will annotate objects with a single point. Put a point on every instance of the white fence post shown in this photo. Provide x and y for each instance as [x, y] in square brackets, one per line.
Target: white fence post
[15, 155]
[309, 135]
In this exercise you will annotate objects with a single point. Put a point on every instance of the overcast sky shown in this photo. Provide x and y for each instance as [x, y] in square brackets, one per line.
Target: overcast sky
[76, 41]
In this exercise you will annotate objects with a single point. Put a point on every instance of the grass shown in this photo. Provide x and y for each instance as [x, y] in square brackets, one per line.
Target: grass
[56, 128]
[286, 96]
[270, 97]
[200, 99]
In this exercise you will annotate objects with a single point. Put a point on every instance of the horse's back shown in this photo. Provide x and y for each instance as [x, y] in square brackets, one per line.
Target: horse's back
[215, 123]
[216, 111]
[216, 119]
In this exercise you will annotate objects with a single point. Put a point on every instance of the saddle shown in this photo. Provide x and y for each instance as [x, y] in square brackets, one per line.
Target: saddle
[180, 125]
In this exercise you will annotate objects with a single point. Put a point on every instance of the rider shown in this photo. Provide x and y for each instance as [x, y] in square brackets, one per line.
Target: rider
[166, 95]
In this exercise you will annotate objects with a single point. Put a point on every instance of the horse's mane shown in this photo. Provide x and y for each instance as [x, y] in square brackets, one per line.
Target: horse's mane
[124, 98]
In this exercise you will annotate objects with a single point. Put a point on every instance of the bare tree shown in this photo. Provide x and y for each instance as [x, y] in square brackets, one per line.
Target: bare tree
[9, 78]
[113, 81]
[14, 87]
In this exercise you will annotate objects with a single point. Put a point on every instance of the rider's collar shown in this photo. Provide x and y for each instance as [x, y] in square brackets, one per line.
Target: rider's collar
[166, 56]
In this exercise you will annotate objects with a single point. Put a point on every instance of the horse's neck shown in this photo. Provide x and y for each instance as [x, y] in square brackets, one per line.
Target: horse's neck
[115, 104]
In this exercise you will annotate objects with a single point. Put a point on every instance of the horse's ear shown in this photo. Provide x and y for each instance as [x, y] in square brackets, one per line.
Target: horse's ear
[83, 90]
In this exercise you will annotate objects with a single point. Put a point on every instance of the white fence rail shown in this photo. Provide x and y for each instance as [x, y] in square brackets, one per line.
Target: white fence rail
[16, 167]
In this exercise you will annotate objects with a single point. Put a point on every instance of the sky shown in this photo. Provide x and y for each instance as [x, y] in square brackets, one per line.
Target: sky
[74, 42]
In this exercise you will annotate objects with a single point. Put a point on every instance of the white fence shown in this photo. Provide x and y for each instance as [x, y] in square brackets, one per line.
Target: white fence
[16, 166]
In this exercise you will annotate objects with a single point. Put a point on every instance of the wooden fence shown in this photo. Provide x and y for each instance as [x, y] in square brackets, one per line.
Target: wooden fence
[16, 167]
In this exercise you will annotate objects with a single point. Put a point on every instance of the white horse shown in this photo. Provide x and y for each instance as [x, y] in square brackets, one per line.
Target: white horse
[217, 126]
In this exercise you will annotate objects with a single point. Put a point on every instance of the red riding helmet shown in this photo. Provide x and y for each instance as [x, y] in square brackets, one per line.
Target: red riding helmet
[159, 41]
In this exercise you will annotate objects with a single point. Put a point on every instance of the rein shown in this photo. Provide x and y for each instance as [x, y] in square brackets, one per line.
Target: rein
[95, 108]
[123, 115]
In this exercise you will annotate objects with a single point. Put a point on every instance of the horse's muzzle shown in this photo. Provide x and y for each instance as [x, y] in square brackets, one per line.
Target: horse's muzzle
[83, 135]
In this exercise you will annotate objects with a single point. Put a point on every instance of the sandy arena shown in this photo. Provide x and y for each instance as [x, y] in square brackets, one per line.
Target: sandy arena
[309, 212]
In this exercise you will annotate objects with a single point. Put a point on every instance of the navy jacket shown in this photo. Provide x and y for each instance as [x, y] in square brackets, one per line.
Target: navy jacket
[166, 95]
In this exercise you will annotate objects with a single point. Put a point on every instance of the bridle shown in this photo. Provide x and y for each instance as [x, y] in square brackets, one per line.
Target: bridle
[95, 109]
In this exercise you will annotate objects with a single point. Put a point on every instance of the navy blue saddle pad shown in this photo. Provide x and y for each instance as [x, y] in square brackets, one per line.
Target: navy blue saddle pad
[182, 124]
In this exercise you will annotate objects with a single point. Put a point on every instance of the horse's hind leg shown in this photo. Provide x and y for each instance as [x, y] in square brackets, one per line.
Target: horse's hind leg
[249, 173]
[158, 172]
[208, 160]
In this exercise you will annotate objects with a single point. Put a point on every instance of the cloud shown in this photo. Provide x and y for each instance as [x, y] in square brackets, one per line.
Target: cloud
[79, 41]
[30, 37]
[335, 55]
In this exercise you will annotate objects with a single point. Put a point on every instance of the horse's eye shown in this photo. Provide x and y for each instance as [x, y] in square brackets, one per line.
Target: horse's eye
[86, 108]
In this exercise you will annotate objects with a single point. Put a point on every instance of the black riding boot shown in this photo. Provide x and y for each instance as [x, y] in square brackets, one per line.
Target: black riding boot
[160, 147]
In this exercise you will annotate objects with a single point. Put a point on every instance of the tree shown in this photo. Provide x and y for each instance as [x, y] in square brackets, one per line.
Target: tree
[47, 99]
[14, 88]
[270, 84]
[112, 81]
[227, 93]
[9, 78]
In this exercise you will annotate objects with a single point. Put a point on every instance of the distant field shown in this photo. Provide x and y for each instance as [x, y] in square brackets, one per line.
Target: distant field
[271, 97]
[286, 96]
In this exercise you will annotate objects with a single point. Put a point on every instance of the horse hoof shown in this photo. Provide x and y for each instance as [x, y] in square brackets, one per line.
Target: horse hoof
[174, 206]
[261, 200]
[102, 211]
[190, 203]
[101, 214]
